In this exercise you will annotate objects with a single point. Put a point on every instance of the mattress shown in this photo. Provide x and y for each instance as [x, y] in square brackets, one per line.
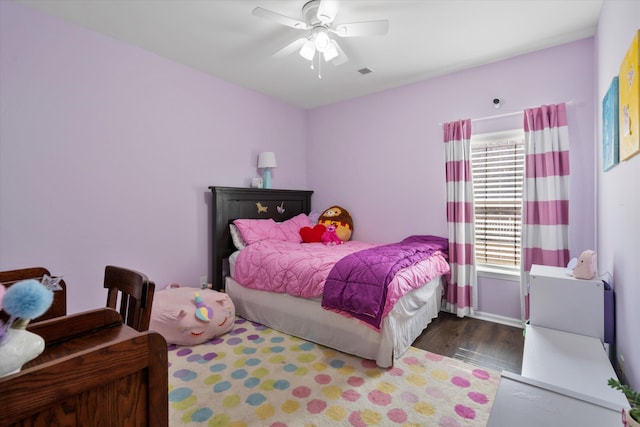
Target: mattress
[305, 318]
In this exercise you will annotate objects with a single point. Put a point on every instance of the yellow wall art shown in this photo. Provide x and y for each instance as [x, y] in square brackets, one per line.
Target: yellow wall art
[629, 107]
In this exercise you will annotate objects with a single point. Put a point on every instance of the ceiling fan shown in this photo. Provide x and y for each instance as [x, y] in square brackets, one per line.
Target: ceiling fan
[318, 20]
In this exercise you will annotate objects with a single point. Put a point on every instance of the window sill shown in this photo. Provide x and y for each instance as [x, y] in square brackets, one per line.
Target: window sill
[497, 273]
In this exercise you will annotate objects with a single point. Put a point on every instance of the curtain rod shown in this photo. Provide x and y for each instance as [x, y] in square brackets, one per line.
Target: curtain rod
[497, 116]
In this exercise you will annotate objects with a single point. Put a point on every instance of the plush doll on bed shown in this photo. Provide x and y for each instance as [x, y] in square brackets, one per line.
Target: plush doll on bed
[329, 237]
[339, 217]
[190, 316]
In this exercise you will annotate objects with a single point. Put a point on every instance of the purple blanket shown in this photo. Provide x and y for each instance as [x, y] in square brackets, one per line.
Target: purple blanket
[358, 282]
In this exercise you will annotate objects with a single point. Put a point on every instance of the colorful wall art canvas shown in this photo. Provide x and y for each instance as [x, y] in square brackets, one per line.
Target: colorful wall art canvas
[629, 106]
[610, 156]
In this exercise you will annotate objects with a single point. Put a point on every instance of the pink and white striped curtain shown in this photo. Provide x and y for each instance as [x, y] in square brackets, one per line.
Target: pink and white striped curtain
[460, 296]
[545, 224]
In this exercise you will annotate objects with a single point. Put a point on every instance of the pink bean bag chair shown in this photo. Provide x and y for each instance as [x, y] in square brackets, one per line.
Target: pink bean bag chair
[190, 316]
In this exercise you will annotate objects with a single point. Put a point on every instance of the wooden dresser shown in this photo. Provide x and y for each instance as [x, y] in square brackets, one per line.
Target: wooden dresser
[94, 371]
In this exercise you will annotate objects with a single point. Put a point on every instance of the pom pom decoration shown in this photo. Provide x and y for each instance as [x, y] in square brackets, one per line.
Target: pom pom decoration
[27, 299]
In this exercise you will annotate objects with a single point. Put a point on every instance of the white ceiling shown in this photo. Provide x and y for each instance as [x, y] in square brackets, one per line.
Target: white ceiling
[426, 38]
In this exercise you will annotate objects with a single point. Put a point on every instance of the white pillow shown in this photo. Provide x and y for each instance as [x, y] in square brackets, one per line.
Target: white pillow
[236, 237]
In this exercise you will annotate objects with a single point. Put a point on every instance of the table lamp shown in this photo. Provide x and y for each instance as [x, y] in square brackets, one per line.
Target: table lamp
[266, 161]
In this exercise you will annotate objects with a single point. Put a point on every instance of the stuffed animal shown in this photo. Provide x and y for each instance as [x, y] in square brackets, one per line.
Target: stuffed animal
[311, 235]
[339, 217]
[190, 316]
[329, 237]
[587, 266]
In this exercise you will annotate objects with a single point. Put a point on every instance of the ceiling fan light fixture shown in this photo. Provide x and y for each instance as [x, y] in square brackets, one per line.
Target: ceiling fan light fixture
[322, 40]
[331, 52]
[318, 19]
[308, 50]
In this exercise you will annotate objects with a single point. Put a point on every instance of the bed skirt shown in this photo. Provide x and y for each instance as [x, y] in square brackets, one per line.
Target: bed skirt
[305, 318]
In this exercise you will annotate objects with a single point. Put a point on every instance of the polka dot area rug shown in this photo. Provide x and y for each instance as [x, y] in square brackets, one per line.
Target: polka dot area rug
[255, 376]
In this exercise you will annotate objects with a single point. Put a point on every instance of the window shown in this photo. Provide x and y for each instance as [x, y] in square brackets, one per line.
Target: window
[497, 165]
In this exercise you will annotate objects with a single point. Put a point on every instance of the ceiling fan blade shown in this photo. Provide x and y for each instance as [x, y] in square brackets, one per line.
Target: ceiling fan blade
[290, 48]
[359, 29]
[281, 19]
[342, 57]
[327, 11]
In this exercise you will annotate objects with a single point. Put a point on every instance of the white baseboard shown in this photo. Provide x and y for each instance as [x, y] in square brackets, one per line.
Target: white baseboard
[489, 317]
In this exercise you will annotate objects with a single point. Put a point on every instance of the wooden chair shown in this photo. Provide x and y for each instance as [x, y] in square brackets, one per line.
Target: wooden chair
[58, 307]
[135, 291]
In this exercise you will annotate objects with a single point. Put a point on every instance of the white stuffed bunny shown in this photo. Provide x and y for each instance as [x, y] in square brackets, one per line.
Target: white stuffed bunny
[587, 267]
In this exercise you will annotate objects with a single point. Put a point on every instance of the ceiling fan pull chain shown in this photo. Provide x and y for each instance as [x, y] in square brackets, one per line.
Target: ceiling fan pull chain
[319, 68]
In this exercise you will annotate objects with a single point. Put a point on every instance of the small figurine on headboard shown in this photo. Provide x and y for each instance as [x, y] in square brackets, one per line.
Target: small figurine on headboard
[261, 208]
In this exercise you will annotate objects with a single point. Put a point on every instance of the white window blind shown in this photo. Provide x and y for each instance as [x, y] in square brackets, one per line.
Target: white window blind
[497, 163]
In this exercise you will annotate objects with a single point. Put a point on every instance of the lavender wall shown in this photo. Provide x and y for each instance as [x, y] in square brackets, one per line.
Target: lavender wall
[382, 156]
[106, 153]
[618, 201]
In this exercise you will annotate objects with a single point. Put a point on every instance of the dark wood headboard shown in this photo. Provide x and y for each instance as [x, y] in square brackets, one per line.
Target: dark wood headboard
[231, 203]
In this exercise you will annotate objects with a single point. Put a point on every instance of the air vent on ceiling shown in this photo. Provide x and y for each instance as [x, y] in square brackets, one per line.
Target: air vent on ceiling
[364, 71]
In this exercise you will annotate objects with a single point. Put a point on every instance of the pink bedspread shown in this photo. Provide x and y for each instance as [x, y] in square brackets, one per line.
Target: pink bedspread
[300, 269]
[413, 277]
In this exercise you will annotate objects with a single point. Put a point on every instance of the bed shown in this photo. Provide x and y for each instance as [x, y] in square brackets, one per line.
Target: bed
[302, 316]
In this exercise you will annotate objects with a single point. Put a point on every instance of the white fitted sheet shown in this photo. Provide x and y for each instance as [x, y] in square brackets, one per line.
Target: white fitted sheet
[305, 318]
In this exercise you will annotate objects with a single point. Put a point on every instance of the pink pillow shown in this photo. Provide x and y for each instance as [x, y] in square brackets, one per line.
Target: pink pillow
[254, 230]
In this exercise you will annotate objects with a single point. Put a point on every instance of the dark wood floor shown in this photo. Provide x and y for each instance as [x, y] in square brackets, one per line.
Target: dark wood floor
[486, 344]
